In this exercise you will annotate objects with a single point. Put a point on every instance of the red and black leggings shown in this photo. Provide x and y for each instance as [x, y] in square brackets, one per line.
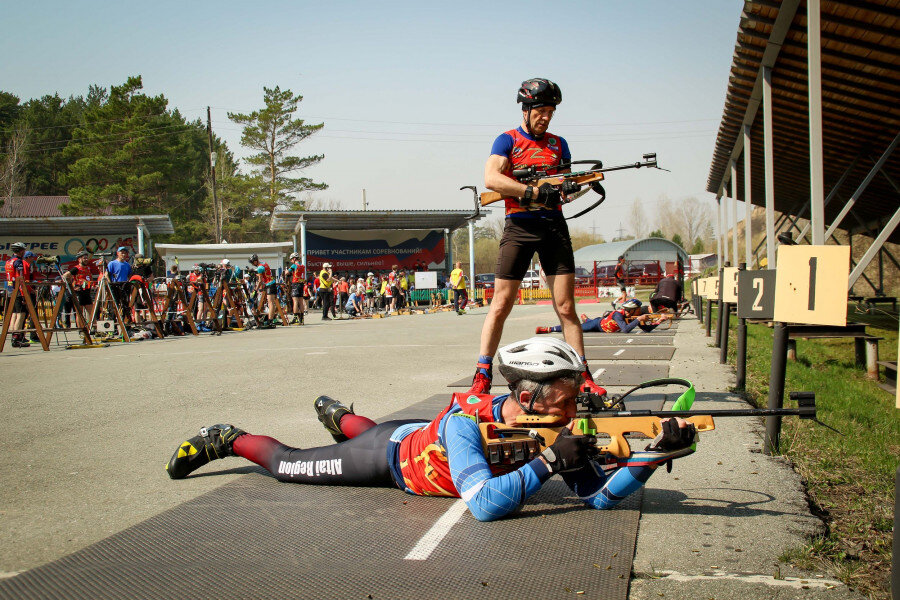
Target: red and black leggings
[360, 461]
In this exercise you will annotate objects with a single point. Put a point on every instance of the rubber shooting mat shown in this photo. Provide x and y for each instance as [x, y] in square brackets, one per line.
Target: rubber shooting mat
[628, 352]
[258, 538]
[619, 340]
[604, 373]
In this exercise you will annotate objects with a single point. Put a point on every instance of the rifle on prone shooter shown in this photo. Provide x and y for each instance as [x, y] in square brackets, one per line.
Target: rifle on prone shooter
[505, 445]
[593, 176]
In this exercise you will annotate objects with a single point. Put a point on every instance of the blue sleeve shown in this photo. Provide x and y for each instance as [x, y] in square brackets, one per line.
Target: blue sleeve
[564, 146]
[487, 497]
[623, 326]
[260, 269]
[503, 145]
[604, 491]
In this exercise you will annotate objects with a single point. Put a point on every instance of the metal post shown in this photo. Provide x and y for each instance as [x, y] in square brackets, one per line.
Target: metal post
[769, 166]
[862, 186]
[303, 243]
[472, 260]
[748, 199]
[719, 232]
[720, 307]
[816, 170]
[895, 562]
[741, 358]
[708, 318]
[294, 240]
[877, 243]
[726, 325]
[448, 251]
[776, 386]
[140, 239]
[734, 230]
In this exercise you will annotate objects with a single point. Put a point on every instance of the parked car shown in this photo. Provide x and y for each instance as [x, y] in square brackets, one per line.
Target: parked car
[583, 277]
[484, 281]
[532, 279]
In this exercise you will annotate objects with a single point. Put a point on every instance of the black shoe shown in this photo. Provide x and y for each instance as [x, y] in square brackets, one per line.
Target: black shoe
[330, 412]
[326, 318]
[213, 442]
[34, 338]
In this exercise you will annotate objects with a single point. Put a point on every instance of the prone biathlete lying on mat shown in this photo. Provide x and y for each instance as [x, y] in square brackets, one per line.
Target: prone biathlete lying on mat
[446, 456]
[627, 317]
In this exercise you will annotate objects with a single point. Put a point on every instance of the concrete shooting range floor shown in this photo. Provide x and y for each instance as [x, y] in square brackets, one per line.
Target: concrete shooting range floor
[256, 537]
[620, 340]
[628, 353]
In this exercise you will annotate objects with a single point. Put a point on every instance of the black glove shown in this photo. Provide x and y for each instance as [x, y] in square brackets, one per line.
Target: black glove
[568, 452]
[548, 195]
[673, 437]
[570, 187]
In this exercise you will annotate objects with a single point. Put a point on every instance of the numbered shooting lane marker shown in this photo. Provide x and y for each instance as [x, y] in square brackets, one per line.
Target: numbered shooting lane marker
[756, 294]
[701, 287]
[712, 288]
[811, 287]
[729, 285]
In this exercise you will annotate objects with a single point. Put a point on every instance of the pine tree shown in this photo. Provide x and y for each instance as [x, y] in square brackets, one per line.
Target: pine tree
[273, 132]
[133, 156]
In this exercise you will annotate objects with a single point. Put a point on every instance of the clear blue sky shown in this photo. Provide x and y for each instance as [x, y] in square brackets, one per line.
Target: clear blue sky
[411, 94]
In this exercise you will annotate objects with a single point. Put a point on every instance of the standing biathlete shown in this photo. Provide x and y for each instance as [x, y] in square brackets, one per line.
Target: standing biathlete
[265, 284]
[534, 223]
[297, 273]
[445, 457]
[81, 279]
[326, 295]
[458, 285]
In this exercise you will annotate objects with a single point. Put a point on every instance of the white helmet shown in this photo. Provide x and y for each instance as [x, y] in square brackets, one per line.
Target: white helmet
[226, 262]
[370, 274]
[539, 359]
[326, 265]
[294, 255]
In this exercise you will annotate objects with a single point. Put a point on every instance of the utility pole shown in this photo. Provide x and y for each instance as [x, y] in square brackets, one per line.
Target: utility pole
[364, 199]
[620, 231]
[594, 228]
[212, 173]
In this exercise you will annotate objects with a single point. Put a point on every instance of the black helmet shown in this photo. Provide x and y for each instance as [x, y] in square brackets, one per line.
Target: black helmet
[538, 92]
[254, 258]
[82, 252]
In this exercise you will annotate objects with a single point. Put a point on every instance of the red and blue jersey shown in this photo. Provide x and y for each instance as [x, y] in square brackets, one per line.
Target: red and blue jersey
[522, 150]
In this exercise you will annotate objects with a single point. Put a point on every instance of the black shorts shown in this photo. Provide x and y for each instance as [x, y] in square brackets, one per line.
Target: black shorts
[19, 304]
[84, 297]
[523, 237]
[655, 303]
[296, 290]
[621, 284]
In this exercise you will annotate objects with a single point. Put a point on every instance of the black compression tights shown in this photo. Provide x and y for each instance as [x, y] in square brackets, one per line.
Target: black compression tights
[361, 461]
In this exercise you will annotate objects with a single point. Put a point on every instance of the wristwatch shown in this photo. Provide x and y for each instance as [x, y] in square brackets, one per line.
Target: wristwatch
[528, 197]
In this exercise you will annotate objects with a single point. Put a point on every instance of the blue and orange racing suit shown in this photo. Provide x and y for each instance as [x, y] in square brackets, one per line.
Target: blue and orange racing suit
[444, 457]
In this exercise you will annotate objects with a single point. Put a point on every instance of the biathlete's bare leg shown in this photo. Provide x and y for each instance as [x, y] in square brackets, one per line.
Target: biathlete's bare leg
[505, 291]
[562, 290]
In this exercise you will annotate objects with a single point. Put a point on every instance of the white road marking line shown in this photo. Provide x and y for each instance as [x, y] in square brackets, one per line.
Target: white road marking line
[311, 353]
[792, 582]
[598, 373]
[618, 352]
[629, 340]
[426, 545]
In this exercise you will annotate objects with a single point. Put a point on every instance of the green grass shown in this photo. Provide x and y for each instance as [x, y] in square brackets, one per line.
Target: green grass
[850, 478]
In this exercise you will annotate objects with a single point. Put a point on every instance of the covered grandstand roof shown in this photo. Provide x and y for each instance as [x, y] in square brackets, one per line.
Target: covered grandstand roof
[645, 249]
[338, 220]
[105, 225]
[860, 58]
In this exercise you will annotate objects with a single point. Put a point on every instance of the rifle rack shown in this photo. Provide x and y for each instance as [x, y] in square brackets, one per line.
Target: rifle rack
[106, 298]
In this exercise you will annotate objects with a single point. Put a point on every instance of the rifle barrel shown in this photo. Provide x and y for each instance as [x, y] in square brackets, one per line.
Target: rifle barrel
[748, 412]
